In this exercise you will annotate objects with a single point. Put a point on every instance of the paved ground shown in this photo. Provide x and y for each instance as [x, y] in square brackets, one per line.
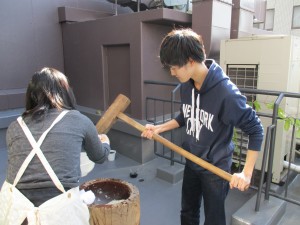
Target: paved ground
[160, 200]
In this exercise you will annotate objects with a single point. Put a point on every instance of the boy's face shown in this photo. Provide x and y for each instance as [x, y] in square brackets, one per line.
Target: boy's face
[183, 74]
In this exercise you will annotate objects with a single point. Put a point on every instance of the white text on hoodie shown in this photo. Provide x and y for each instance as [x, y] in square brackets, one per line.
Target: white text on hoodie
[195, 123]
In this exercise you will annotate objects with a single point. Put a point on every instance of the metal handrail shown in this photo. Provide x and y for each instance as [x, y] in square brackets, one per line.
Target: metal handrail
[172, 117]
[272, 144]
[263, 166]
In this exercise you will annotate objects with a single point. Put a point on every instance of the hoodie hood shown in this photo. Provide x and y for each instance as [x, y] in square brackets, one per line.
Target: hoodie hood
[214, 76]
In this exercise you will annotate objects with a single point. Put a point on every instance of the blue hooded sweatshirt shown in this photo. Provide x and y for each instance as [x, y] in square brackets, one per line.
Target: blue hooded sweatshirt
[211, 113]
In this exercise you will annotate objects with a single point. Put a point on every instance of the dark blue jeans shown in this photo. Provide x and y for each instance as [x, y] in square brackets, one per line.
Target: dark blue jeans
[213, 189]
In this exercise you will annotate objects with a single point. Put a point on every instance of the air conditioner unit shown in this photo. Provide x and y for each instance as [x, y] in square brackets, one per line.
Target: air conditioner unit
[269, 62]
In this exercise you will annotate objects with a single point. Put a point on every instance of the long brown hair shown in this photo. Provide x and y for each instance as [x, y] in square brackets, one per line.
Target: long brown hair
[48, 89]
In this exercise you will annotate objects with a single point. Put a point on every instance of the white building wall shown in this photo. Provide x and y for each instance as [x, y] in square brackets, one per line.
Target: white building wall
[283, 16]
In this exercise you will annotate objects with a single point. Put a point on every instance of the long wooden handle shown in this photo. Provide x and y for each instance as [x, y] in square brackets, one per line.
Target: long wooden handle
[221, 173]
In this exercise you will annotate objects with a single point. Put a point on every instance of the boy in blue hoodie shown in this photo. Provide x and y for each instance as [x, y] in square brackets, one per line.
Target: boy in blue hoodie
[211, 106]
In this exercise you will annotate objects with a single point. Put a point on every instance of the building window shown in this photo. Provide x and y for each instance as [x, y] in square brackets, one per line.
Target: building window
[269, 23]
[296, 17]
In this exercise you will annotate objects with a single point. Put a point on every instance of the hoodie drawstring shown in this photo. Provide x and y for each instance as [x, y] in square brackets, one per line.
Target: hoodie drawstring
[195, 123]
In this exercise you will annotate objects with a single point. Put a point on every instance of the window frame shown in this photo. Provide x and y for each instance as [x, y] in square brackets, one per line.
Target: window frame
[266, 17]
[294, 19]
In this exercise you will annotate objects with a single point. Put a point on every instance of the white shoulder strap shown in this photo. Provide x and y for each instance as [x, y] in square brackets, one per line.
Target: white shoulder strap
[36, 150]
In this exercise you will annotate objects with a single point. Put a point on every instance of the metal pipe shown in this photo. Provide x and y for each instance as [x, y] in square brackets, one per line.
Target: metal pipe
[160, 83]
[272, 145]
[290, 159]
[138, 5]
[292, 166]
[243, 90]
[187, 5]
[116, 7]
[263, 166]
[280, 197]
[172, 117]
[268, 92]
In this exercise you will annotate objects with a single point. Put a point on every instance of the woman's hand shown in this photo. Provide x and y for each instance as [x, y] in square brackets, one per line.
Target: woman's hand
[104, 139]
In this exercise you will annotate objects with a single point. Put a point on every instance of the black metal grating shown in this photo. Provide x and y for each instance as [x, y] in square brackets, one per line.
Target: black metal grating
[243, 76]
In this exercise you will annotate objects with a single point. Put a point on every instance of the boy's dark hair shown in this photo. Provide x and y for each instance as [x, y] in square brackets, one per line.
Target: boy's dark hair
[181, 45]
[48, 89]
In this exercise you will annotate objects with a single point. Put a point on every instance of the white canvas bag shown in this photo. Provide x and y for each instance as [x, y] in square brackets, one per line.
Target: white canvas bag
[66, 208]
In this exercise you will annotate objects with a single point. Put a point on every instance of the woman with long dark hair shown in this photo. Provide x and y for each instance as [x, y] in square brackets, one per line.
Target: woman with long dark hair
[49, 98]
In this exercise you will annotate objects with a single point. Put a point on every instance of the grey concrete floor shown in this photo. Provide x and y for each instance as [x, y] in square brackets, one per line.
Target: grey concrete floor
[159, 200]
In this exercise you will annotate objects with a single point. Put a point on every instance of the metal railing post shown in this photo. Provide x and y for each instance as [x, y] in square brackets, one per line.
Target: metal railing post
[272, 145]
[116, 7]
[290, 160]
[263, 166]
[172, 117]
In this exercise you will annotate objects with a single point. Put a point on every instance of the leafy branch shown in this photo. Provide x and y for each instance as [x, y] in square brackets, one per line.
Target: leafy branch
[288, 120]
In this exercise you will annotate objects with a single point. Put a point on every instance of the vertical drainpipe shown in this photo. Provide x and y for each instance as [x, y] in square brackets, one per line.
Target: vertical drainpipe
[116, 7]
[242, 18]
[212, 20]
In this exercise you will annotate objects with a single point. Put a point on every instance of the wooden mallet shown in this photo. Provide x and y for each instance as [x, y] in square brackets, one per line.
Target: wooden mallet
[116, 110]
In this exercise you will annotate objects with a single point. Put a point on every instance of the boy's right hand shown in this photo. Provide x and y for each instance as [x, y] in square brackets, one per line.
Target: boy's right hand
[149, 131]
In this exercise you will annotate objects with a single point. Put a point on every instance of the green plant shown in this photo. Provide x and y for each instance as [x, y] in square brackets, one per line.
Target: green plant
[236, 148]
[255, 105]
[234, 139]
[288, 120]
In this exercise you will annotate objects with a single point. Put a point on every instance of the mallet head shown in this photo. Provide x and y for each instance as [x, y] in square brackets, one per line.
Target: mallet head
[110, 116]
